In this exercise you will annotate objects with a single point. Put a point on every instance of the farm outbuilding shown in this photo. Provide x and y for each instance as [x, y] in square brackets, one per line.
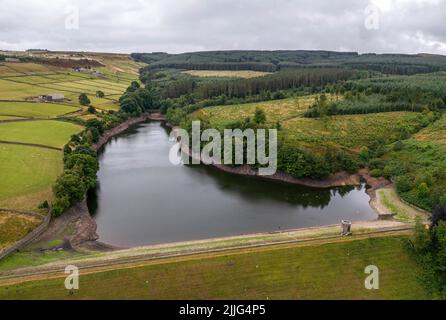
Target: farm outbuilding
[53, 97]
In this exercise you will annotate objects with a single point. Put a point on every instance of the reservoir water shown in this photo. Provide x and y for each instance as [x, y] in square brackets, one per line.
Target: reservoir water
[143, 199]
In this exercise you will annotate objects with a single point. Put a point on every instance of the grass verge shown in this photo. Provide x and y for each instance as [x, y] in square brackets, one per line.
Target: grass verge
[326, 271]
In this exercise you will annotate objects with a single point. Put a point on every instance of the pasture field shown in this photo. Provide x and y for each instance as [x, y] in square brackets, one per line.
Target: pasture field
[350, 131]
[49, 133]
[104, 85]
[14, 227]
[31, 79]
[3, 118]
[69, 76]
[34, 110]
[27, 170]
[107, 103]
[13, 69]
[80, 87]
[10, 90]
[315, 271]
[114, 85]
[45, 79]
[5, 71]
[28, 87]
[245, 74]
[119, 77]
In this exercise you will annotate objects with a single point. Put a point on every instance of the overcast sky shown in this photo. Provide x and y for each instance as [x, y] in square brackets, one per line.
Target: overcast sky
[406, 26]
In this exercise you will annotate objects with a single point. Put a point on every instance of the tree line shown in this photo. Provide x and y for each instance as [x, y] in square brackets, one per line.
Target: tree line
[241, 88]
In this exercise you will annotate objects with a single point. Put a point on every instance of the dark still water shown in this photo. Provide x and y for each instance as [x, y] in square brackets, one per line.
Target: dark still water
[143, 199]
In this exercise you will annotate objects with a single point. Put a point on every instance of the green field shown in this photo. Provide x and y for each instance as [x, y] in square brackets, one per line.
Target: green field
[34, 110]
[3, 118]
[42, 79]
[48, 133]
[115, 85]
[27, 170]
[104, 103]
[325, 271]
[19, 91]
[80, 87]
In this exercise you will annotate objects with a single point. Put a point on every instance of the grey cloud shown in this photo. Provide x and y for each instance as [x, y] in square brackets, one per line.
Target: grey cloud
[189, 25]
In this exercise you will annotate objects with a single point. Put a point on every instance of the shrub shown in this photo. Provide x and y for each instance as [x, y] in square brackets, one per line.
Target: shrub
[376, 173]
[403, 184]
[399, 145]
[387, 172]
[44, 205]
[260, 116]
[303, 164]
[60, 205]
[95, 123]
[377, 164]
[85, 149]
[85, 166]
[69, 190]
[364, 153]
[84, 100]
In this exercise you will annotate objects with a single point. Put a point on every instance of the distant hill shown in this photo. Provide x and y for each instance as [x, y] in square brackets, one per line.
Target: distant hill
[271, 61]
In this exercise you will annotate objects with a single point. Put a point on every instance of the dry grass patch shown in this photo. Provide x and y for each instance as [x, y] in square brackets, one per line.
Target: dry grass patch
[28, 202]
[14, 227]
[277, 111]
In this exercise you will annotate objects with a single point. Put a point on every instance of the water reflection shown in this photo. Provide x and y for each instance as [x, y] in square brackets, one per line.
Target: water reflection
[142, 199]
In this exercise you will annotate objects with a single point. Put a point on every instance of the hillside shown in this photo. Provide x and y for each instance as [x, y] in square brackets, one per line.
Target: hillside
[34, 131]
[271, 61]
